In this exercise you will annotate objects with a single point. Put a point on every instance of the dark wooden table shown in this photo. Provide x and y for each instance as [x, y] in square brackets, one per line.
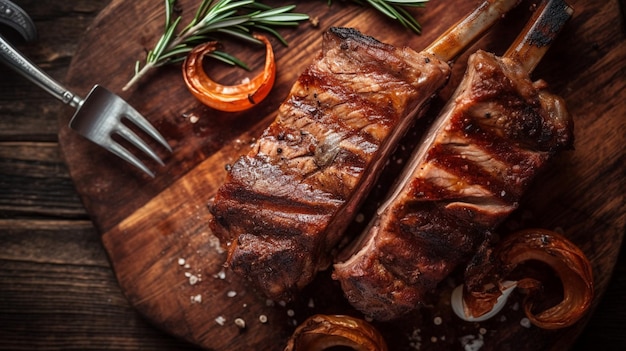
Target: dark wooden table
[57, 289]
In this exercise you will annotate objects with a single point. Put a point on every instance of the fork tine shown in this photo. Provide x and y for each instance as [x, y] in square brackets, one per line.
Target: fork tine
[127, 156]
[140, 121]
[132, 138]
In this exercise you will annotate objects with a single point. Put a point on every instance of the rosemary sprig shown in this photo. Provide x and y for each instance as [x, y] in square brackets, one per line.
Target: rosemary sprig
[234, 18]
[395, 9]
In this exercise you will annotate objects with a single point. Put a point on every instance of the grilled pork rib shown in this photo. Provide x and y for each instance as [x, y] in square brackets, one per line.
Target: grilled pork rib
[497, 131]
[285, 205]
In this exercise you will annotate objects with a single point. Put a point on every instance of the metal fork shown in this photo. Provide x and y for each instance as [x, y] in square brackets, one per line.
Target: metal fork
[99, 116]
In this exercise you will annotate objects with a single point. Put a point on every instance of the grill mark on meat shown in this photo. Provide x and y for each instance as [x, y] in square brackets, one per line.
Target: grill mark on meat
[498, 130]
[319, 158]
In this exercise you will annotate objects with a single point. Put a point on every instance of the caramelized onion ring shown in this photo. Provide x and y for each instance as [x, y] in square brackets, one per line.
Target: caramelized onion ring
[229, 98]
[565, 258]
[320, 332]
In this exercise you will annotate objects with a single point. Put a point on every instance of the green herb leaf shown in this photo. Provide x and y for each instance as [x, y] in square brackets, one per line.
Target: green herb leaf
[395, 9]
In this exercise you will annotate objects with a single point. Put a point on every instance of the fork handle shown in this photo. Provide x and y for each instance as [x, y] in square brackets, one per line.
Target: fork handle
[22, 65]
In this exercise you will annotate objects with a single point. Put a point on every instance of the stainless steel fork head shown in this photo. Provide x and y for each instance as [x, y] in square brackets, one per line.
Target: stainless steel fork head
[102, 115]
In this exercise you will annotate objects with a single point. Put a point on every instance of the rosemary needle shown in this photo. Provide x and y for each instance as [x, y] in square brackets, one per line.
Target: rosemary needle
[234, 18]
[395, 9]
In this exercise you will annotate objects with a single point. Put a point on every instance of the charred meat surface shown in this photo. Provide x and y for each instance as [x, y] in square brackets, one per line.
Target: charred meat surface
[285, 205]
[494, 135]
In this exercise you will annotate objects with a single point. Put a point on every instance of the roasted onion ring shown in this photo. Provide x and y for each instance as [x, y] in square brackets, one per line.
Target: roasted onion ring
[320, 332]
[485, 284]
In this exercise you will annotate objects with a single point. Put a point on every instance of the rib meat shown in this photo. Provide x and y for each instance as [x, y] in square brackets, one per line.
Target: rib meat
[285, 205]
[494, 135]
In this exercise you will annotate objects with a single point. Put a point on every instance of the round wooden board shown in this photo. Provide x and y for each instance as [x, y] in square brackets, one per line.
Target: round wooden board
[148, 225]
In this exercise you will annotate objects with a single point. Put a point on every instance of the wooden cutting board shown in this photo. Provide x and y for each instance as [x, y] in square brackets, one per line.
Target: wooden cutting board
[155, 231]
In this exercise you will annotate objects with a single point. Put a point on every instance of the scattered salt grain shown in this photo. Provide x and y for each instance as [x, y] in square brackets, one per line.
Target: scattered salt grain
[471, 343]
[415, 339]
[437, 321]
[240, 323]
[196, 299]
[221, 275]
[193, 279]
[214, 242]
[193, 118]
[525, 322]
[291, 312]
[263, 318]
[220, 320]
[181, 261]
[231, 293]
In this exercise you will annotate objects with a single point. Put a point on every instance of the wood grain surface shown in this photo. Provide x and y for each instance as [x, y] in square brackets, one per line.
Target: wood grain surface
[124, 205]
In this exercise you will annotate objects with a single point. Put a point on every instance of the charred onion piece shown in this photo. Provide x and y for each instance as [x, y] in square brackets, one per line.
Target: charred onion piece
[568, 262]
[320, 332]
[229, 98]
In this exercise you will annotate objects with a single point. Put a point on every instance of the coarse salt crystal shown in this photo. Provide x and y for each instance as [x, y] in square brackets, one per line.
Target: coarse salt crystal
[181, 261]
[525, 322]
[471, 343]
[196, 299]
[220, 320]
[263, 318]
[231, 293]
[437, 321]
[193, 279]
[240, 323]
[214, 242]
